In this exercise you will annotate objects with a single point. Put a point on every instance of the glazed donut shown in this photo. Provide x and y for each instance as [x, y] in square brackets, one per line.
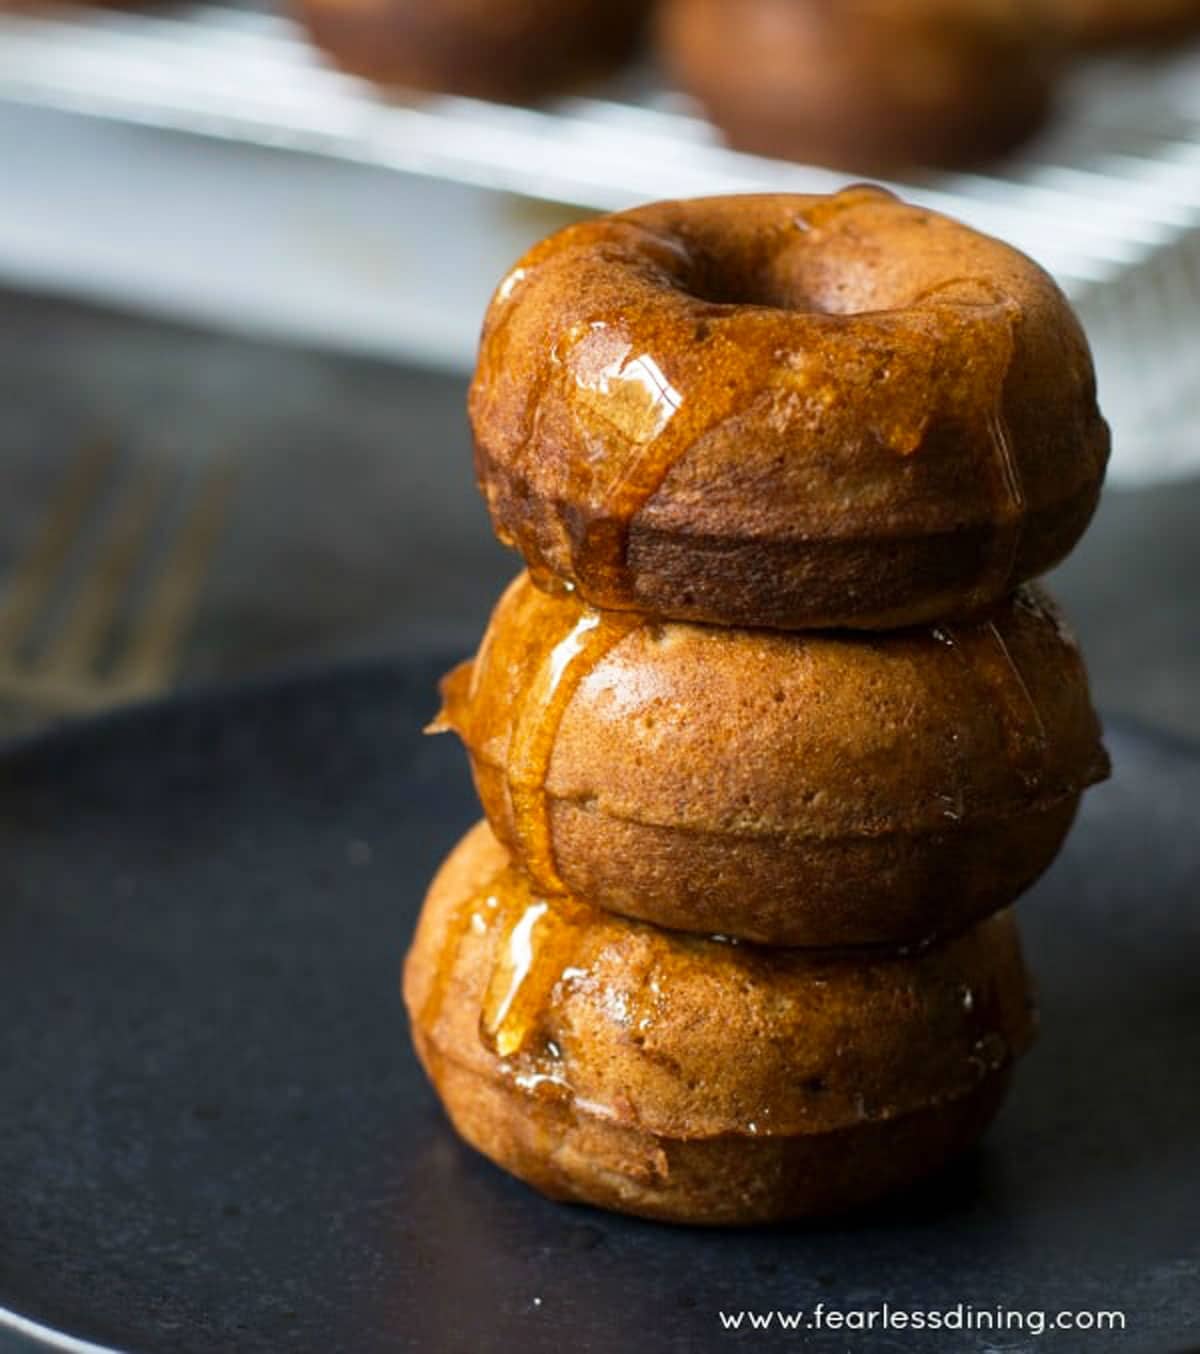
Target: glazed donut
[614, 1063]
[502, 49]
[866, 85]
[1097, 23]
[787, 789]
[785, 411]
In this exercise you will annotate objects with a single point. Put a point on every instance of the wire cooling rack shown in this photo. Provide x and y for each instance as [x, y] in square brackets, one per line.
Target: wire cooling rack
[1108, 198]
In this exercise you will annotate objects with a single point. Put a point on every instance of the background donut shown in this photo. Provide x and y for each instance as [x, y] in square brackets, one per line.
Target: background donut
[1100, 23]
[866, 85]
[503, 49]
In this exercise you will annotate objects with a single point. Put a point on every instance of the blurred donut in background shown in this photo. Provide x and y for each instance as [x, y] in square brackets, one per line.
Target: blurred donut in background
[1098, 23]
[867, 85]
[499, 49]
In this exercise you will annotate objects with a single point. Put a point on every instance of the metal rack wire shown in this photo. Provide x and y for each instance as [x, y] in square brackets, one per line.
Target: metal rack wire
[1108, 199]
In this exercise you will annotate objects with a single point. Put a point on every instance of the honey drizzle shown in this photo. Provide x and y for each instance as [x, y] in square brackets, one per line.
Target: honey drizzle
[635, 409]
[985, 652]
[1007, 487]
[543, 705]
[600, 555]
[538, 942]
[460, 921]
[606, 546]
[603, 552]
[637, 440]
[999, 564]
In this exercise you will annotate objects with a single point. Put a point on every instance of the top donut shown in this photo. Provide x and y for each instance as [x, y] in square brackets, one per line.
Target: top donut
[785, 411]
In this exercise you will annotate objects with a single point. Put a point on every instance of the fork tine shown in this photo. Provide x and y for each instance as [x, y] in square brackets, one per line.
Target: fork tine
[78, 643]
[158, 631]
[33, 580]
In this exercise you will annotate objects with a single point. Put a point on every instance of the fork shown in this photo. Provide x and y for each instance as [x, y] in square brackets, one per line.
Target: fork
[66, 646]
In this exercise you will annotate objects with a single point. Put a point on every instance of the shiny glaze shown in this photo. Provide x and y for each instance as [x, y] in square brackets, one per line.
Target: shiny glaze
[470, 913]
[999, 568]
[626, 393]
[534, 942]
[537, 943]
[548, 977]
[642, 424]
[584, 638]
[992, 350]
[544, 703]
[989, 659]
[990, 747]
[687, 322]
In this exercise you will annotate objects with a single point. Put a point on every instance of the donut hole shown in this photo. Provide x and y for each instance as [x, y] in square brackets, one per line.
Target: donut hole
[797, 276]
[733, 280]
[800, 264]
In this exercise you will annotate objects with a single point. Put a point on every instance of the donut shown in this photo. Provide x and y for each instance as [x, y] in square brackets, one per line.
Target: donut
[790, 789]
[499, 49]
[1099, 23]
[785, 411]
[609, 1062]
[866, 85]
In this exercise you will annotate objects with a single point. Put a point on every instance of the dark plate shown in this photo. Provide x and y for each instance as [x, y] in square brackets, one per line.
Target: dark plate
[214, 1136]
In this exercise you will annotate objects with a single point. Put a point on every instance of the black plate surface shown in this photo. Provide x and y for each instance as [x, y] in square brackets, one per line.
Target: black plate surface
[214, 1136]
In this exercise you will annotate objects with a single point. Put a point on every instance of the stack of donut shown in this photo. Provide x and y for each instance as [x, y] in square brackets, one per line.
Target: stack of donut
[774, 729]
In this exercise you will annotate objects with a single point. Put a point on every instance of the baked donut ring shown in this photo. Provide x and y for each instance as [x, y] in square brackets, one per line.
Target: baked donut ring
[1100, 23]
[782, 788]
[867, 85]
[501, 49]
[614, 1063]
[785, 411]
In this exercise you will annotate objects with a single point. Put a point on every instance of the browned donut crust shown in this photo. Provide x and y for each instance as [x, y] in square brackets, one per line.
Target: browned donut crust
[576, 1157]
[1098, 23]
[696, 1080]
[866, 85]
[786, 411]
[504, 49]
[784, 788]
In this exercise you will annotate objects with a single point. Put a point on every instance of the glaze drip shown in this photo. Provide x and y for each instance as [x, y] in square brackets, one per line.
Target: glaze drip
[536, 973]
[473, 911]
[626, 406]
[987, 655]
[987, 320]
[999, 565]
[536, 943]
[616, 401]
[544, 702]
[994, 349]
